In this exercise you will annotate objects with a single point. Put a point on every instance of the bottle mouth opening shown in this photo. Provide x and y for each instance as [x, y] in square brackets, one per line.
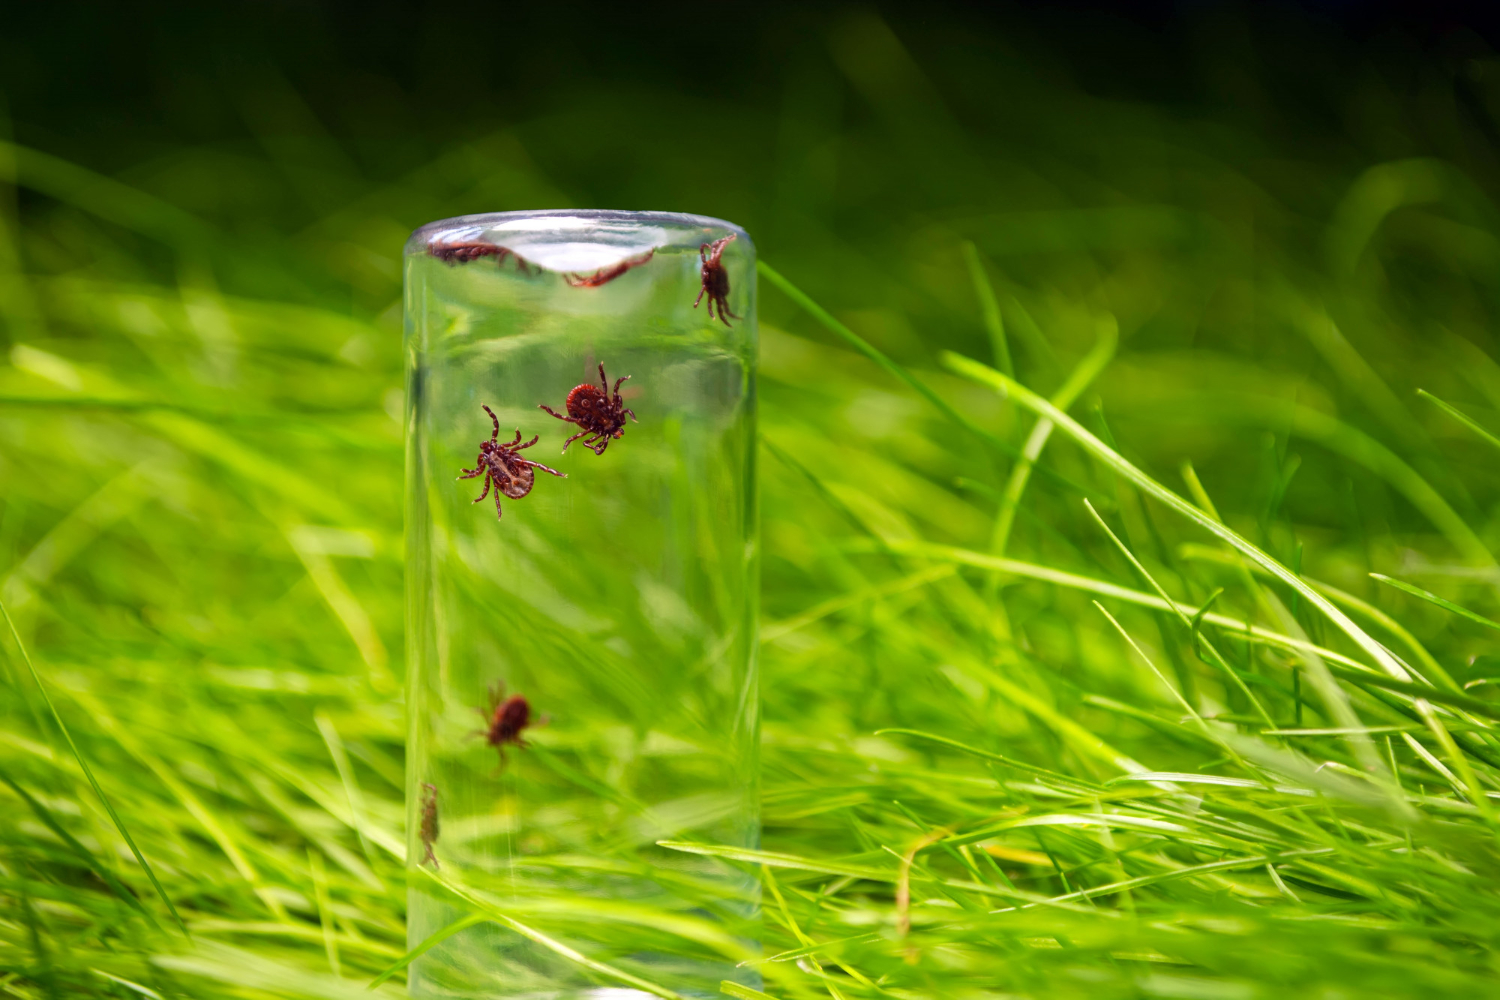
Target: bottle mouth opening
[576, 240]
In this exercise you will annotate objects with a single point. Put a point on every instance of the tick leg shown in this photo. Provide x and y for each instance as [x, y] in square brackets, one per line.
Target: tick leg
[603, 379]
[471, 473]
[575, 437]
[559, 416]
[498, 494]
[700, 299]
[486, 490]
[493, 418]
[721, 313]
[539, 465]
[617, 383]
[518, 438]
[632, 415]
[528, 444]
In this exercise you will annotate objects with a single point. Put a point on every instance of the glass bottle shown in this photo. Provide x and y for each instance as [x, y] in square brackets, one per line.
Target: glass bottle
[582, 658]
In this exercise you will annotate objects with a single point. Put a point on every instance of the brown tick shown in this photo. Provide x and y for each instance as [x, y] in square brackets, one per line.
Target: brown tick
[463, 253]
[429, 828]
[504, 719]
[715, 279]
[608, 274]
[599, 412]
[503, 465]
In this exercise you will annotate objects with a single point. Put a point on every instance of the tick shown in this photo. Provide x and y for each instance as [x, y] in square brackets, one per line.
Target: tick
[463, 253]
[715, 279]
[503, 465]
[608, 274]
[429, 828]
[600, 412]
[504, 719]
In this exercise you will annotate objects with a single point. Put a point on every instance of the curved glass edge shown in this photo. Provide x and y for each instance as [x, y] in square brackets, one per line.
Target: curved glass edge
[418, 242]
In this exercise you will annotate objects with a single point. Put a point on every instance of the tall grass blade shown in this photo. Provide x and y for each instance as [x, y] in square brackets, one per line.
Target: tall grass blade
[88, 857]
[431, 941]
[1113, 460]
[989, 309]
[827, 321]
[1078, 380]
[89, 773]
[1461, 417]
[1446, 605]
[498, 916]
[742, 992]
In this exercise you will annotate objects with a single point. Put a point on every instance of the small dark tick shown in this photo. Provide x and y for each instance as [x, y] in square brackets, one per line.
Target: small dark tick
[599, 412]
[429, 829]
[608, 274]
[463, 253]
[715, 279]
[503, 465]
[504, 719]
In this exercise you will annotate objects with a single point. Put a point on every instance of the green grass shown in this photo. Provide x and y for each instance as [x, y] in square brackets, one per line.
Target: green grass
[1130, 495]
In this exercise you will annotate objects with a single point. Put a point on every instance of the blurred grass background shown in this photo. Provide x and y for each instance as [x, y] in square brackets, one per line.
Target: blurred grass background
[1234, 241]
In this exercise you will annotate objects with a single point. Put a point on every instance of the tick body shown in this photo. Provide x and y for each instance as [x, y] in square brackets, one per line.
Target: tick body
[472, 250]
[503, 466]
[715, 279]
[598, 411]
[429, 829]
[505, 719]
[607, 274]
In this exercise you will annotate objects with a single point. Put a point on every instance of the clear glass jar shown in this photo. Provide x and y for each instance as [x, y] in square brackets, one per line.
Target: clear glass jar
[617, 604]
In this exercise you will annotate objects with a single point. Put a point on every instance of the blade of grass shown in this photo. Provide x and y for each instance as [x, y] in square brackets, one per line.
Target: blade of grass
[994, 323]
[742, 992]
[1074, 581]
[206, 817]
[89, 773]
[1188, 623]
[1113, 460]
[1079, 379]
[431, 941]
[1339, 664]
[1281, 417]
[1461, 417]
[1460, 761]
[325, 917]
[1171, 688]
[90, 860]
[1334, 698]
[870, 351]
[346, 775]
[1188, 872]
[1446, 605]
[864, 347]
[105, 197]
[1022, 766]
[557, 947]
[1193, 550]
[776, 859]
[791, 924]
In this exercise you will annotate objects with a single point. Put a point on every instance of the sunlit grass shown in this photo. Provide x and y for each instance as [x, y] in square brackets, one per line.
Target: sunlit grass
[1128, 614]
